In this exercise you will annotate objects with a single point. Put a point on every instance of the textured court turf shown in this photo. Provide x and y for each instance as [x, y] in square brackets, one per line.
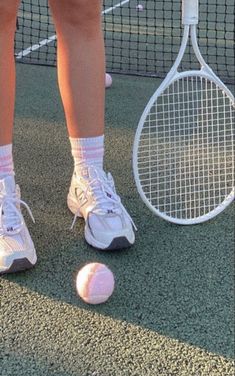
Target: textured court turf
[172, 312]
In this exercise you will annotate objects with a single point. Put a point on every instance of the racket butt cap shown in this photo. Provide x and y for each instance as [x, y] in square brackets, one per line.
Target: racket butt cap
[190, 12]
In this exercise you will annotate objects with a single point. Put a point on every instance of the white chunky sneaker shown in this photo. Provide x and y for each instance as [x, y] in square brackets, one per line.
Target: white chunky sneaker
[17, 250]
[92, 196]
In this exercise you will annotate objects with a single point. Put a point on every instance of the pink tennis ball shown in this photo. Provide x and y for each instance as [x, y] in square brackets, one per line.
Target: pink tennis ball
[140, 7]
[95, 283]
[108, 80]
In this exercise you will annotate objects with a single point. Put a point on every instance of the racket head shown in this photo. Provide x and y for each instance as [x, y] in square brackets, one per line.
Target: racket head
[183, 154]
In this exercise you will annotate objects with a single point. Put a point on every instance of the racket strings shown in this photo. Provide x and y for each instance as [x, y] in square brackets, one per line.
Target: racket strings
[185, 155]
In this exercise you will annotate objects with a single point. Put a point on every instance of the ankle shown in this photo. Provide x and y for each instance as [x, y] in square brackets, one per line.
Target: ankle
[87, 152]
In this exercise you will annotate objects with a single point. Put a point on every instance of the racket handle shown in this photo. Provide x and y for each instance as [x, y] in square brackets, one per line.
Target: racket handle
[190, 12]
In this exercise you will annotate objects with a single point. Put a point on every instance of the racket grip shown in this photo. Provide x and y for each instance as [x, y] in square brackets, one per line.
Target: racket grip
[190, 12]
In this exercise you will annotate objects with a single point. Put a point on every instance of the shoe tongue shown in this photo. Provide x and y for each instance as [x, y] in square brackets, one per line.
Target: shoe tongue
[92, 173]
[7, 185]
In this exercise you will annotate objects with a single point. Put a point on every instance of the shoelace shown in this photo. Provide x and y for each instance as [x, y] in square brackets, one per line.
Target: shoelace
[14, 218]
[106, 198]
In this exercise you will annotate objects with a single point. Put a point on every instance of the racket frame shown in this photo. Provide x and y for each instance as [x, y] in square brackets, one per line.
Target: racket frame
[190, 21]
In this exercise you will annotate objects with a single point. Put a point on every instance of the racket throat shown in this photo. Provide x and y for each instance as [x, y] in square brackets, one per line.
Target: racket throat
[174, 70]
[190, 32]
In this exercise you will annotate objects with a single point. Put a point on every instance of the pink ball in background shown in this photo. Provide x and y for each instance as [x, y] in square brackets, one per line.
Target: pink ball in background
[95, 283]
[140, 7]
[108, 80]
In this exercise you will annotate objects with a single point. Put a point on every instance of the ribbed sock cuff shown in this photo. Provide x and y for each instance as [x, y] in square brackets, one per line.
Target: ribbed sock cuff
[87, 151]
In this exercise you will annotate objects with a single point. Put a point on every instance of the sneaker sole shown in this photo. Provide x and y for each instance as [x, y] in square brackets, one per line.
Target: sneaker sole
[18, 265]
[118, 243]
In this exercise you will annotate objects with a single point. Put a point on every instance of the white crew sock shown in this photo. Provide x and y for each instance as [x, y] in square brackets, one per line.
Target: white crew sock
[87, 152]
[6, 161]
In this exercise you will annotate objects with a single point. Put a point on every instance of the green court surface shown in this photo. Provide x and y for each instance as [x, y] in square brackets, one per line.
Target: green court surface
[172, 311]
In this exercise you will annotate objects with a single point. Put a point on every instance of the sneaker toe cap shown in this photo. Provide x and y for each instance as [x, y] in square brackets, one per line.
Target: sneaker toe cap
[104, 239]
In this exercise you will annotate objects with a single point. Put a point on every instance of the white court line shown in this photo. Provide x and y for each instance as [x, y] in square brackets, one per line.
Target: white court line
[42, 43]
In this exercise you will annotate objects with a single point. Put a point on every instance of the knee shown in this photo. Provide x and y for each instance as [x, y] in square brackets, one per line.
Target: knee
[81, 14]
[8, 14]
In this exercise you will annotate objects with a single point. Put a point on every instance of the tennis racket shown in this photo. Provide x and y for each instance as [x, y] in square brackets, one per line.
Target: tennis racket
[183, 155]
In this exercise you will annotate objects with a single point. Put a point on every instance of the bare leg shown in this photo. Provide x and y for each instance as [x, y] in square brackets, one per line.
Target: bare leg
[81, 65]
[8, 12]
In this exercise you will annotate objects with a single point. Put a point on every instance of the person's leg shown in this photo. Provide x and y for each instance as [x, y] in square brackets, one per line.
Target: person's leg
[81, 74]
[8, 12]
[16, 247]
[81, 65]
